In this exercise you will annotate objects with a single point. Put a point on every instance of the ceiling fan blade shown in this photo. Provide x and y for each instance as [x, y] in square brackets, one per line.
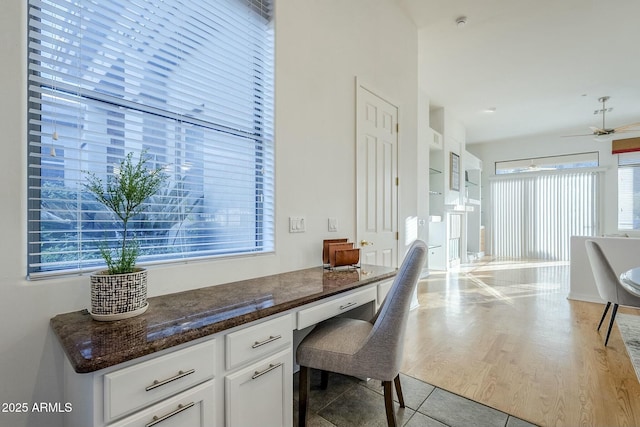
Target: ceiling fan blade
[584, 134]
[625, 127]
[597, 131]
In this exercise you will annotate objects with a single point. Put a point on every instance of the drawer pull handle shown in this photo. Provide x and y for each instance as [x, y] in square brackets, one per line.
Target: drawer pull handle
[267, 341]
[269, 369]
[158, 420]
[158, 383]
[351, 304]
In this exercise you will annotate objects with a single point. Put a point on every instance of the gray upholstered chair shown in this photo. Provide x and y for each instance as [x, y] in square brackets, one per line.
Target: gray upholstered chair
[608, 284]
[365, 349]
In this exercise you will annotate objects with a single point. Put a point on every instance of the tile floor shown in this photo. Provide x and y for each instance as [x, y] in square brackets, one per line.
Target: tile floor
[350, 402]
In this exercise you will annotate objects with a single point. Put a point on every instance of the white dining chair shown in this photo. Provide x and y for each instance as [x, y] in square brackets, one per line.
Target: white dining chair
[608, 284]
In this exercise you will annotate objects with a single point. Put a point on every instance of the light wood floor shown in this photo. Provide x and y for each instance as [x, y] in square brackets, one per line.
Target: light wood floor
[503, 333]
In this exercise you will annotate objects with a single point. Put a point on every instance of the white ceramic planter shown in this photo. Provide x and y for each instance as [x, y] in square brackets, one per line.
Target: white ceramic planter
[118, 296]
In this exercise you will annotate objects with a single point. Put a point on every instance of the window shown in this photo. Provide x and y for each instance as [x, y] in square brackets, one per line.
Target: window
[536, 164]
[629, 191]
[189, 83]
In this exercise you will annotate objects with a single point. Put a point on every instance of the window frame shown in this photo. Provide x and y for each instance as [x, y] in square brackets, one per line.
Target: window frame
[263, 133]
[628, 161]
[557, 162]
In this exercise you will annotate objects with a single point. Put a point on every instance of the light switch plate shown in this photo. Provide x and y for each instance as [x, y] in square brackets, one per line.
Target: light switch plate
[333, 224]
[296, 224]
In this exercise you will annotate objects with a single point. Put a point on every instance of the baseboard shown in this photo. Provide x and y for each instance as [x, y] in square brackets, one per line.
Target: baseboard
[585, 297]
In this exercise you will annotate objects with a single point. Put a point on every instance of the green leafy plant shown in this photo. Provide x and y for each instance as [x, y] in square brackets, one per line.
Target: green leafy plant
[125, 193]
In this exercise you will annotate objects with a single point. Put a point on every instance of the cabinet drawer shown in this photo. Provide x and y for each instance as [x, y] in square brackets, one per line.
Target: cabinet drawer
[258, 341]
[141, 385]
[193, 408]
[313, 315]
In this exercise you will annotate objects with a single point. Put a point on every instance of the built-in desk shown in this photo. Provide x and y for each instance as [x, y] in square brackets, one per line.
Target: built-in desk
[197, 358]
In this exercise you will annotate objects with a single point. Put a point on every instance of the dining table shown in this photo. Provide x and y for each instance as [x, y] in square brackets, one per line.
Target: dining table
[630, 280]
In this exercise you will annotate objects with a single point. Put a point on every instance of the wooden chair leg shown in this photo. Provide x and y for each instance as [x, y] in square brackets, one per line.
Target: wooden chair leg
[303, 396]
[604, 314]
[399, 391]
[388, 403]
[613, 317]
[324, 379]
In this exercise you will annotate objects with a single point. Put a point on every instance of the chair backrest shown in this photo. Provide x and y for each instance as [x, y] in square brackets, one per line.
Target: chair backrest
[384, 343]
[606, 279]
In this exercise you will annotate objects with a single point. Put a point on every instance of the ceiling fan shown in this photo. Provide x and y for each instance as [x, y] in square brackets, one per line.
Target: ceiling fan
[604, 134]
[534, 166]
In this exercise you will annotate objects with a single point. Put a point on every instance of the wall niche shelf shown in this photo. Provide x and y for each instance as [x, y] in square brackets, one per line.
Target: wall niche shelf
[433, 171]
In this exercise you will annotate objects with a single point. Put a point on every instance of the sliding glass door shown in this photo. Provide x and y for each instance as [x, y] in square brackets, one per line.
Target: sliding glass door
[535, 215]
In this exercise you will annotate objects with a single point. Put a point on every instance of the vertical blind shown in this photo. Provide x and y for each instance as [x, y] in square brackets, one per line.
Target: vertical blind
[534, 216]
[190, 84]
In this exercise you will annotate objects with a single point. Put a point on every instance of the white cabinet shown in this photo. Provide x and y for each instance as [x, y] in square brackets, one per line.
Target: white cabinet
[240, 377]
[177, 385]
[130, 389]
[437, 260]
[193, 408]
[437, 238]
[261, 394]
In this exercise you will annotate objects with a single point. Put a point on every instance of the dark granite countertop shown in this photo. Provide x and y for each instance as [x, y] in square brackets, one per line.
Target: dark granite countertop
[181, 317]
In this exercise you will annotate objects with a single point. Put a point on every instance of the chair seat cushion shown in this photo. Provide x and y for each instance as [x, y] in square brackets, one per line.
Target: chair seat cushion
[333, 345]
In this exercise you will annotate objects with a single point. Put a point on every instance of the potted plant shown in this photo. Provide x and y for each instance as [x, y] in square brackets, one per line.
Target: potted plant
[120, 291]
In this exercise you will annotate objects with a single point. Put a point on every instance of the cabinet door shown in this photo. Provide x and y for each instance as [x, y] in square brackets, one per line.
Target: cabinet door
[261, 395]
[192, 408]
[437, 259]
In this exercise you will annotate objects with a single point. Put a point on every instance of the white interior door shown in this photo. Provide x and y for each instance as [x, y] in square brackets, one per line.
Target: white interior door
[377, 172]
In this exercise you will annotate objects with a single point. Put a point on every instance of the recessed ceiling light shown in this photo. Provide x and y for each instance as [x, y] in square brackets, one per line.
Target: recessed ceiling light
[490, 110]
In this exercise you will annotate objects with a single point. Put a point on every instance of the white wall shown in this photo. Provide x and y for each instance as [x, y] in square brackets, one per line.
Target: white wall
[321, 46]
[549, 145]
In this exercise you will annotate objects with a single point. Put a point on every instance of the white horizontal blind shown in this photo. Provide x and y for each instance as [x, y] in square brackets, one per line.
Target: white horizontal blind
[190, 84]
[535, 216]
[629, 191]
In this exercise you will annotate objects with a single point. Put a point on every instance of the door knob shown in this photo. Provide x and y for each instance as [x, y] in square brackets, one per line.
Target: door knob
[365, 243]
